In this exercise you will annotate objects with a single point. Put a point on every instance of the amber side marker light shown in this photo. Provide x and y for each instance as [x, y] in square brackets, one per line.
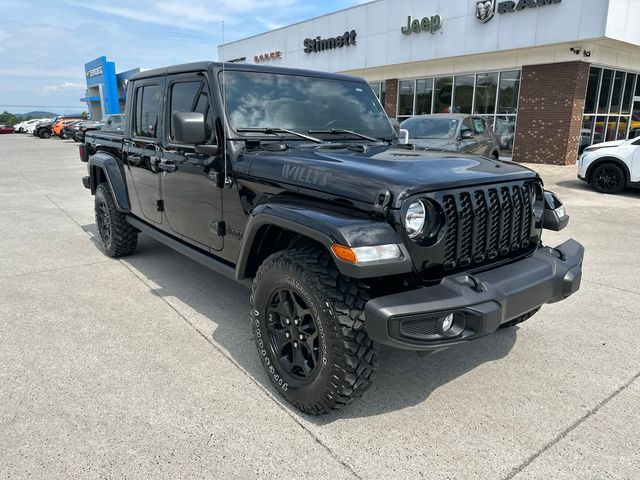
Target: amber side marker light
[345, 254]
[363, 255]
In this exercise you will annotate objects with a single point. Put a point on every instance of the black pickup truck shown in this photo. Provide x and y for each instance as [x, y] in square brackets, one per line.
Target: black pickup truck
[294, 182]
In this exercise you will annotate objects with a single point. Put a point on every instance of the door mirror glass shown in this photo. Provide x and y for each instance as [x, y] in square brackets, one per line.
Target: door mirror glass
[189, 128]
[404, 136]
[467, 135]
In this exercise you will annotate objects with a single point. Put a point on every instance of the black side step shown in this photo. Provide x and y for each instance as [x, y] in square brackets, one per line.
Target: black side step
[193, 253]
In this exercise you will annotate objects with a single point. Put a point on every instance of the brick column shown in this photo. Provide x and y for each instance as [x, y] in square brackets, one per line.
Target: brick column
[550, 113]
[391, 97]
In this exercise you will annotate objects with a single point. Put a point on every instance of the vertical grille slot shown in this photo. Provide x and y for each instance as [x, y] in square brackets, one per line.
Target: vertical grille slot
[466, 238]
[451, 240]
[517, 219]
[486, 223]
[482, 232]
[506, 230]
[496, 214]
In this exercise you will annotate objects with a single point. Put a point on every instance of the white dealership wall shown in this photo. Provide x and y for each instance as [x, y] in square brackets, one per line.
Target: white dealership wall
[608, 29]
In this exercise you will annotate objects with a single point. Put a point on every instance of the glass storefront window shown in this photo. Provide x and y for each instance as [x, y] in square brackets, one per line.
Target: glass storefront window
[605, 91]
[585, 133]
[628, 94]
[616, 95]
[610, 91]
[592, 90]
[424, 96]
[486, 93]
[598, 135]
[463, 94]
[612, 128]
[509, 92]
[443, 91]
[405, 97]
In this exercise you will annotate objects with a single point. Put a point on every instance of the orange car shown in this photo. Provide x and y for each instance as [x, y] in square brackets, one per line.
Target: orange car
[57, 127]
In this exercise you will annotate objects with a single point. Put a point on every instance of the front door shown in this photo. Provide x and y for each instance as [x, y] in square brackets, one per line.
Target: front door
[142, 153]
[190, 181]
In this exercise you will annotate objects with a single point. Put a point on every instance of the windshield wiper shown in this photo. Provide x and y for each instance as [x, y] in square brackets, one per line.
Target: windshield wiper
[275, 131]
[334, 131]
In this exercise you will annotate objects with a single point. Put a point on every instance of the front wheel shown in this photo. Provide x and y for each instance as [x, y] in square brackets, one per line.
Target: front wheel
[44, 133]
[608, 178]
[308, 326]
[117, 237]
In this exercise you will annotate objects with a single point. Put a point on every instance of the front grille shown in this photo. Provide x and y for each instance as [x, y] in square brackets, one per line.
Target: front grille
[487, 223]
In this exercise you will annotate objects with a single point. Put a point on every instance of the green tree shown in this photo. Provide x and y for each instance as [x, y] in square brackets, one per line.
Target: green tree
[7, 118]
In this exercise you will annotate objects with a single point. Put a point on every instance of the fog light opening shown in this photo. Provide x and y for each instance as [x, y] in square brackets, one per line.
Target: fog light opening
[446, 323]
[451, 324]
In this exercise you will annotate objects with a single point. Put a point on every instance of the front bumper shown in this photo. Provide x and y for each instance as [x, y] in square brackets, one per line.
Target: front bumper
[479, 303]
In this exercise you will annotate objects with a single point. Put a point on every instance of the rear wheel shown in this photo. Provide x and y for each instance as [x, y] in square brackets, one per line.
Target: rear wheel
[44, 133]
[608, 178]
[308, 326]
[117, 237]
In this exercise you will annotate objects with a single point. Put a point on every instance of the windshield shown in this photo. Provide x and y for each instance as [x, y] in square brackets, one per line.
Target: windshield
[429, 127]
[268, 100]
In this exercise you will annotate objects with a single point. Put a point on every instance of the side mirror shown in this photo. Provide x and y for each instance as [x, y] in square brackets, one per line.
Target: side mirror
[404, 136]
[188, 128]
[467, 135]
[555, 215]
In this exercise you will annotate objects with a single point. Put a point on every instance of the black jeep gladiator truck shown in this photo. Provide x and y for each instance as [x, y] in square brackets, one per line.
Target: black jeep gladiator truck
[294, 183]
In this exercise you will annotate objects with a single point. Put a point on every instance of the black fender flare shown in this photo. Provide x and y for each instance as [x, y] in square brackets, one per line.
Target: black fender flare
[325, 227]
[110, 168]
[614, 160]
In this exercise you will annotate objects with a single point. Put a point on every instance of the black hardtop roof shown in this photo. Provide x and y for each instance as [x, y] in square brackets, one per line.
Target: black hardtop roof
[202, 66]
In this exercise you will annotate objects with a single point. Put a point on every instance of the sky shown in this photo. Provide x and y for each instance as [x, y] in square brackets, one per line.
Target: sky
[45, 44]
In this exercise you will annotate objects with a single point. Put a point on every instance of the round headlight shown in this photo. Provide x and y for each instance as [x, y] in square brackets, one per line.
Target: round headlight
[415, 218]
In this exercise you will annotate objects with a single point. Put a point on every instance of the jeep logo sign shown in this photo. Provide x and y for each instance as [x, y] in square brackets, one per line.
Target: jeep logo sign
[427, 24]
[486, 9]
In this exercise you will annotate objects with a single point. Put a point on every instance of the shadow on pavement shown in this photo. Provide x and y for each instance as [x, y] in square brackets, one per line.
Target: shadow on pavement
[403, 380]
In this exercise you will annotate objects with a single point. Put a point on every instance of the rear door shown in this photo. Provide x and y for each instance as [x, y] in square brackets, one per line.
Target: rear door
[142, 150]
[190, 187]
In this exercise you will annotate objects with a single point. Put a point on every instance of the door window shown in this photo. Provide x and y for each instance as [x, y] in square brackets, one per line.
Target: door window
[147, 111]
[478, 125]
[467, 126]
[191, 97]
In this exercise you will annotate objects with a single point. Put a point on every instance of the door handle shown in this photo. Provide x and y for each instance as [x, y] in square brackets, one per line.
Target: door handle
[167, 166]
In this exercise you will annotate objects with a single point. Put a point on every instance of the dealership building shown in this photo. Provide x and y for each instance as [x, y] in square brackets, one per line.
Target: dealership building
[551, 76]
[106, 91]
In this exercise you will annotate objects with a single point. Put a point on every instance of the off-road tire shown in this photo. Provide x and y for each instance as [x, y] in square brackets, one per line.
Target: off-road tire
[117, 237]
[614, 178]
[520, 319]
[349, 357]
[44, 133]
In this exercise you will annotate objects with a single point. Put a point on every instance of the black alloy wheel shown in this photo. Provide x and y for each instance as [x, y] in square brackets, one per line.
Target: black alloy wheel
[103, 219]
[293, 334]
[608, 178]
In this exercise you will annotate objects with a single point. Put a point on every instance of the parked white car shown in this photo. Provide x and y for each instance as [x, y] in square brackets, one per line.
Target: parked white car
[31, 126]
[611, 166]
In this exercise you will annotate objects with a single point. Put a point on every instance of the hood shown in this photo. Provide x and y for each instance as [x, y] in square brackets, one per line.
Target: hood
[363, 177]
[615, 143]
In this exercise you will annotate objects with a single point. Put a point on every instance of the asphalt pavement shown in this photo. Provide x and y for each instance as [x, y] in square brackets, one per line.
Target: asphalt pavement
[146, 368]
